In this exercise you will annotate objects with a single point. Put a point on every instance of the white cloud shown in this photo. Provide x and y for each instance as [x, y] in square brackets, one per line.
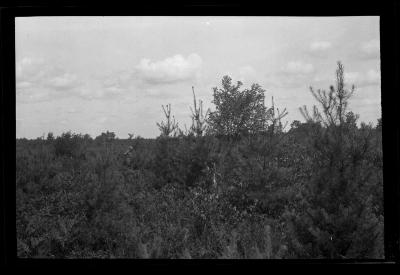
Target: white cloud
[320, 46]
[29, 68]
[37, 80]
[363, 79]
[373, 76]
[32, 95]
[293, 74]
[114, 90]
[90, 94]
[370, 49]
[170, 70]
[352, 77]
[117, 84]
[72, 110]
[247, 71]
[63, 81]
[153, 92]
[298, 67]
[103, 119]
[248, 75]
[359, 79]
[23, 85]
[119, 78]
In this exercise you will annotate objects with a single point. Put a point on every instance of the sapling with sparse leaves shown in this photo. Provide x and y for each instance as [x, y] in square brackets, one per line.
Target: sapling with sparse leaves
[168, 127]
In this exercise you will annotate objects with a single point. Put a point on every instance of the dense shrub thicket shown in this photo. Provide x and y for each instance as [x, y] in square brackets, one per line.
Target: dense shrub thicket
[235, 186]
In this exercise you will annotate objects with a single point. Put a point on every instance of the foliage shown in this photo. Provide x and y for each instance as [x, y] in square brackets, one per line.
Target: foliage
[238, 112]
[338, 217]
[105, 137]
[170, 126]
[199, 124]
[67, 144]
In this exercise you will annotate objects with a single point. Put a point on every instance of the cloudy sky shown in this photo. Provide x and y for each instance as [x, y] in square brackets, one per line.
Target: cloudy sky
[92, 74]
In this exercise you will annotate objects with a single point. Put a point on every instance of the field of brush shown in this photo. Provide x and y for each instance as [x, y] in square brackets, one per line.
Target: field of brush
[273, 195]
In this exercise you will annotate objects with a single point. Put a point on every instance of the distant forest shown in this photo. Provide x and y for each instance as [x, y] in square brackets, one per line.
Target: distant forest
[238, 183]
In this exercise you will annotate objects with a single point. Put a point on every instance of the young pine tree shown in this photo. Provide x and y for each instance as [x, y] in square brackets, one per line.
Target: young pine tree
[169, 127]
[337, 216]
[199, 123]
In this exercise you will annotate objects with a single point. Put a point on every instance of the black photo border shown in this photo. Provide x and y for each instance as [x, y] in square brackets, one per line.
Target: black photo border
[388, 11]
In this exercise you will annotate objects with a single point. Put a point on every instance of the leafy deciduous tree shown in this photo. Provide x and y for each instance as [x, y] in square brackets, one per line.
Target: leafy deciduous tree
[238, 112]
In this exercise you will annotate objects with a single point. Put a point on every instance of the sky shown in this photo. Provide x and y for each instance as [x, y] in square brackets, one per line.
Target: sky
[95, 74]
